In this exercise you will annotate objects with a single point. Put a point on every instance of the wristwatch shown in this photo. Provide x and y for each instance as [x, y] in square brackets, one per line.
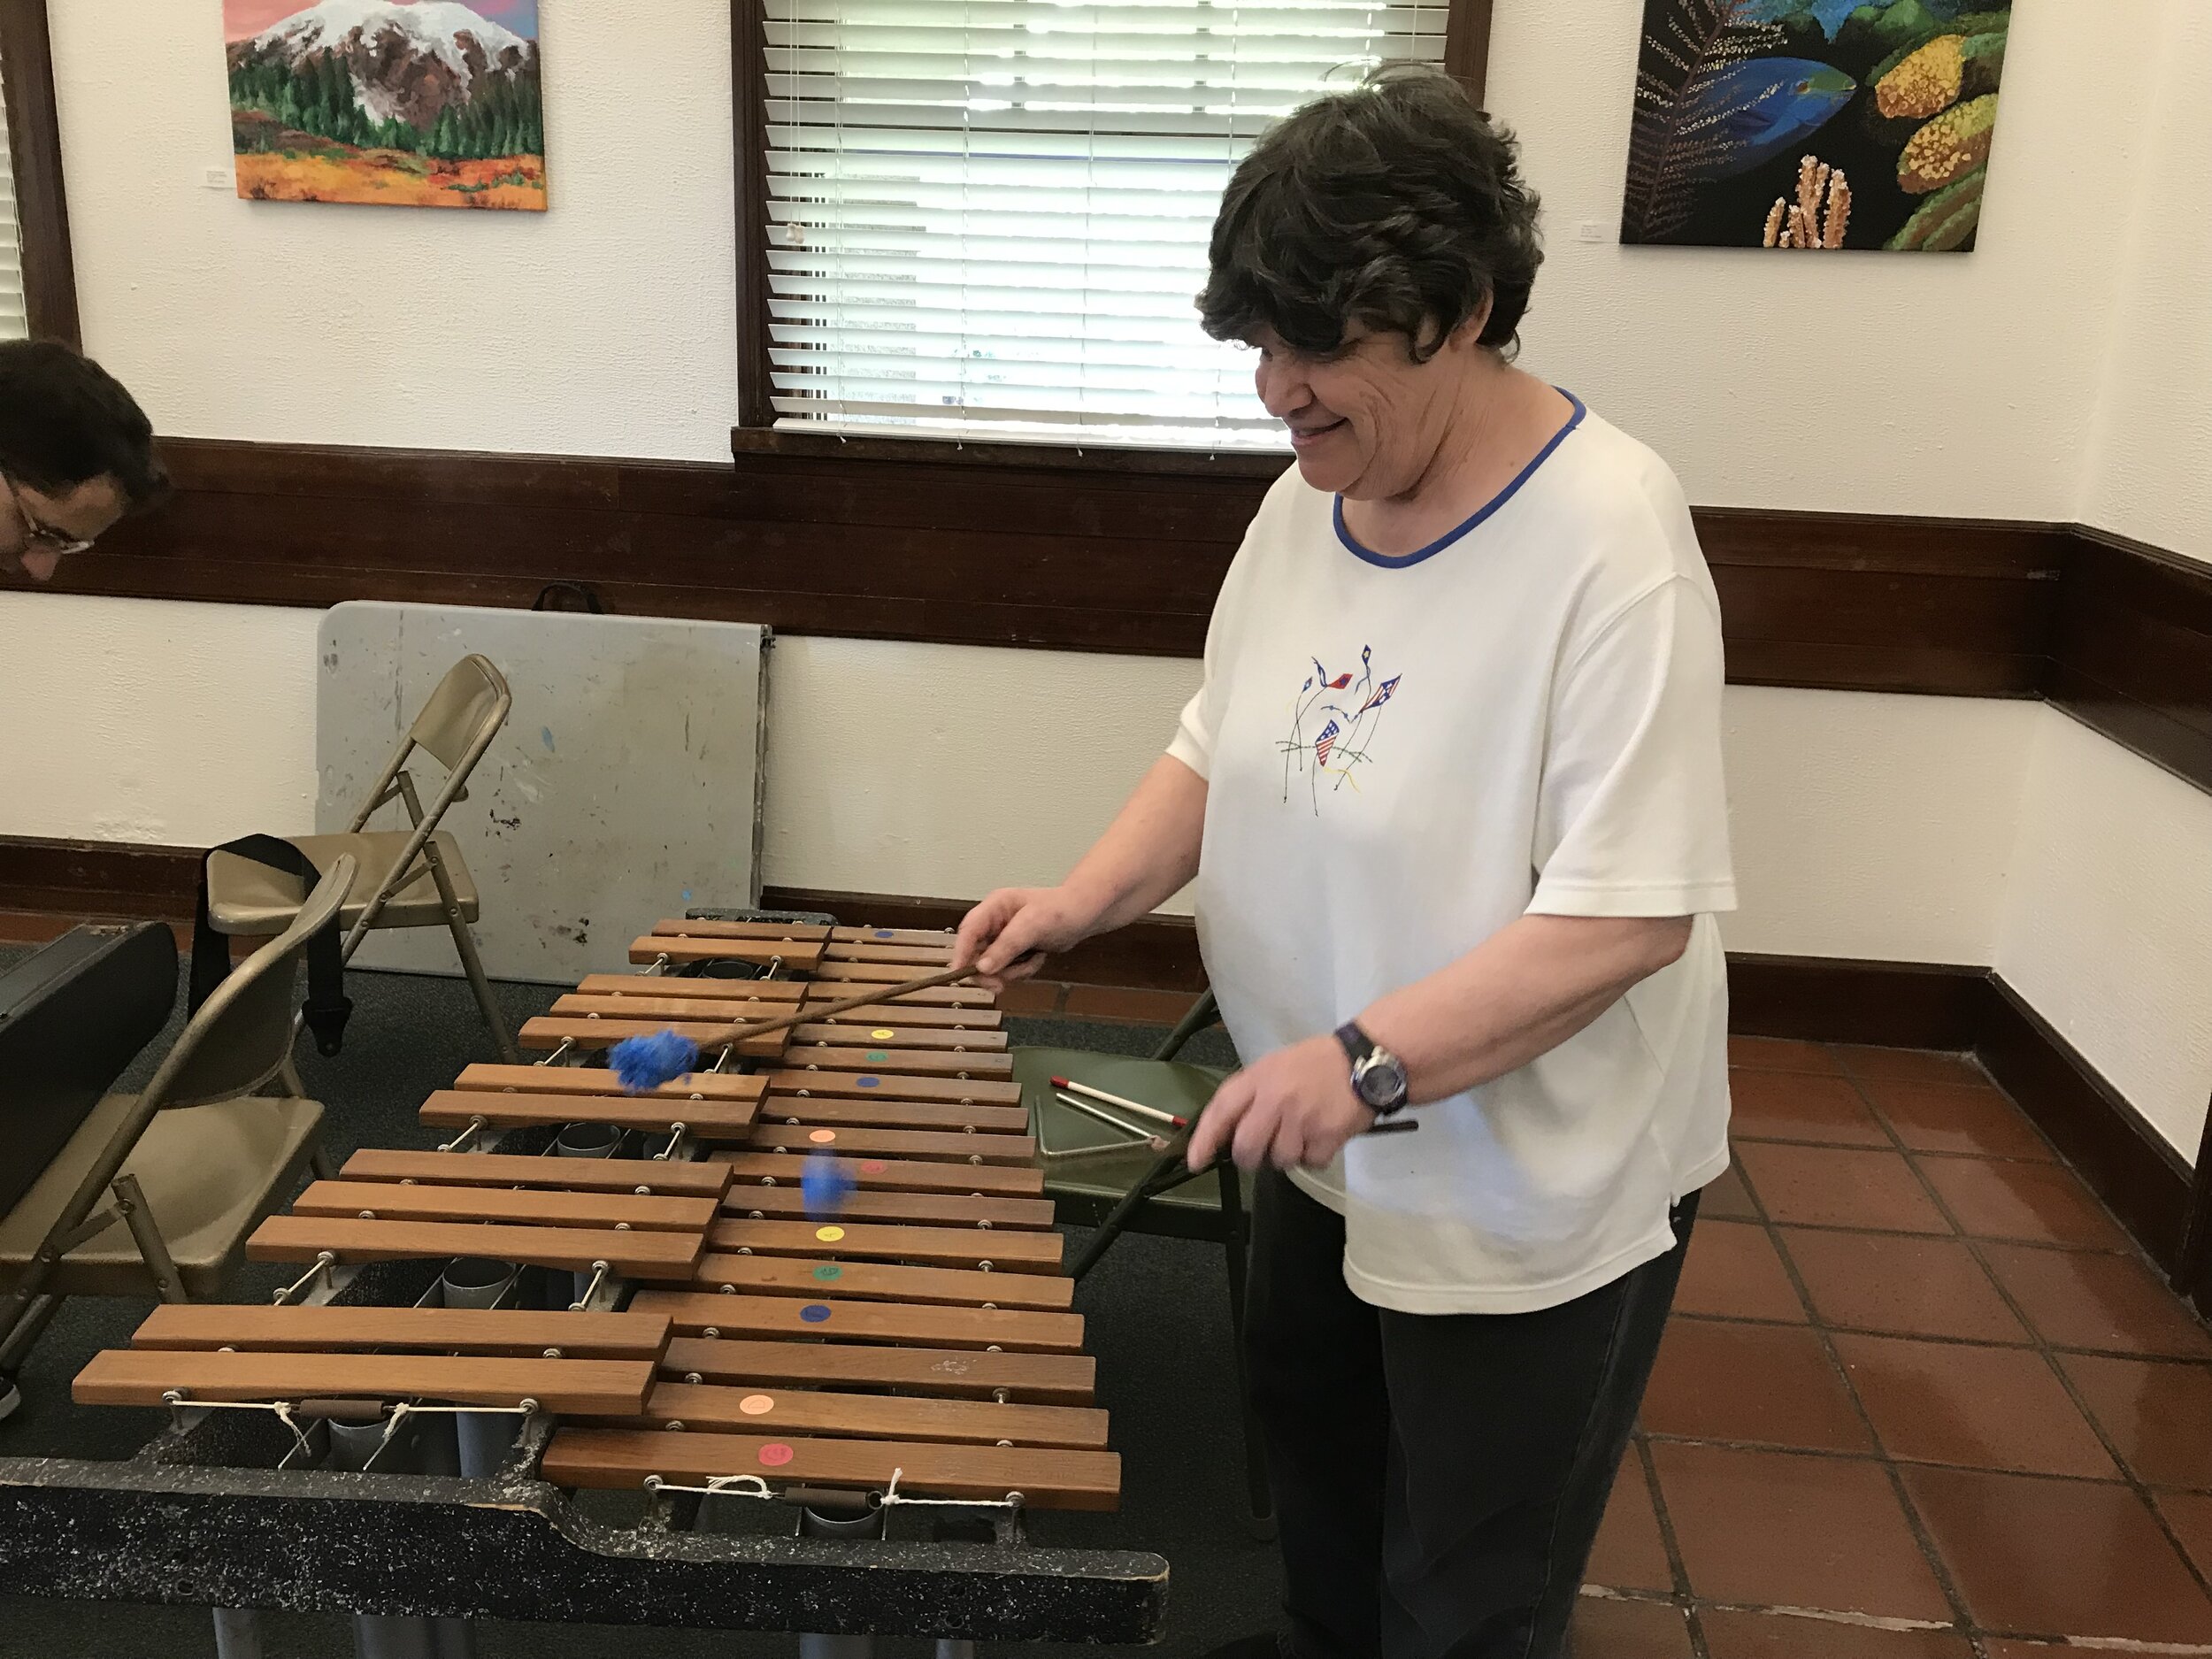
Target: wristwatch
[1379, 1077]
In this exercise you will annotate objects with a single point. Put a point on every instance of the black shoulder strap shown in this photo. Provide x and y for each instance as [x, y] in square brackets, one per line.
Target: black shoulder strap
[327, 1004]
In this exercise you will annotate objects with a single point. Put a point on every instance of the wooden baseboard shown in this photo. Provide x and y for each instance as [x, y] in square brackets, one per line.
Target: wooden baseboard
[2129, 1164]
[1898, 1004]
[1827, 999]
[86, 880]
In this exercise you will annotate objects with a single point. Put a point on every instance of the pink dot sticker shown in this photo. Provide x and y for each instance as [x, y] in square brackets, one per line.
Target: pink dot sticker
[873, 1166]
[775, 1455]
[822, 1137]
[756, 1405]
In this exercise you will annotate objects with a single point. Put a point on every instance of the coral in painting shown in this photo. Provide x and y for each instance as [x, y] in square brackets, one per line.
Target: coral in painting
[1813, 124]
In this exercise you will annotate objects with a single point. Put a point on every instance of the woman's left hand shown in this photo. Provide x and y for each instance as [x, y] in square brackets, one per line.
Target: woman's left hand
[1293, 1109]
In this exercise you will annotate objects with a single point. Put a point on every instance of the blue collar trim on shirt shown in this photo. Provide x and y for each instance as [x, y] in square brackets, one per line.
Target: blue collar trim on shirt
[1399, 561]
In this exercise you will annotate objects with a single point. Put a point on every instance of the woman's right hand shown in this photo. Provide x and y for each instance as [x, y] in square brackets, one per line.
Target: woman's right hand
[1009, 934]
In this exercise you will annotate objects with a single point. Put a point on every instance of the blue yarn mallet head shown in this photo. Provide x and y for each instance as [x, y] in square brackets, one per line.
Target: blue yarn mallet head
[827, 1183]
[643, 1064]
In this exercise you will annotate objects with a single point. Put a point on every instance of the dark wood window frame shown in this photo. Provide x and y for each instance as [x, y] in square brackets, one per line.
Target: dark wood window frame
[1466, 56]
[42, 205]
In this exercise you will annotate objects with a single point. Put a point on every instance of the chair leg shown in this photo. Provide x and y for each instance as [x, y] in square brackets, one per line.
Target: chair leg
[318, 1162]
[471, 964]
[1236, 1234]
[1165, 1173]
[151, 1245]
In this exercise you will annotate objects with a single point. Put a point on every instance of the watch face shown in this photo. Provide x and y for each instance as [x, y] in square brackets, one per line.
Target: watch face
[1382, 1081]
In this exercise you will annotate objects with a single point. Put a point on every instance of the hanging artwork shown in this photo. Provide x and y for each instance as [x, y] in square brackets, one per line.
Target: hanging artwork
[413, 103]
[1813, 124]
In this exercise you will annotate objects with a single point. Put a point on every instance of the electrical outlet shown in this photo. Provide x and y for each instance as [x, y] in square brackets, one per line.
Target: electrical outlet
[217, 178]
[1593, 230]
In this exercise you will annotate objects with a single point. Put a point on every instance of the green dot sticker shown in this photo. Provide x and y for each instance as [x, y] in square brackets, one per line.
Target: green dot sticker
[878, 1056]
[829, 1271]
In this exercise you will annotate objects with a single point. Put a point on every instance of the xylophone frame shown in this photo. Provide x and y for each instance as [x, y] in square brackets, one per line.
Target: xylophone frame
[207, 1513]
[205, 1516]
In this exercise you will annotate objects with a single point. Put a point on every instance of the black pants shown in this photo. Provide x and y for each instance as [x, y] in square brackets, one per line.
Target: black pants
[1437, 1479]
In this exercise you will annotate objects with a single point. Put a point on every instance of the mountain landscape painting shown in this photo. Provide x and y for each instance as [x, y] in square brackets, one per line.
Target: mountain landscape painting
[402, 102]
[1814, 124]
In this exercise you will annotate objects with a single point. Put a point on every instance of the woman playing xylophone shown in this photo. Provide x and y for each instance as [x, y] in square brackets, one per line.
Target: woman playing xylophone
[1451, 793]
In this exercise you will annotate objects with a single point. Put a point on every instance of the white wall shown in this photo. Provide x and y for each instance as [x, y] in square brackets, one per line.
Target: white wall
[603, 327]
[2149, 472]
[1936, 385]
[1857, 382]
[2108, 934]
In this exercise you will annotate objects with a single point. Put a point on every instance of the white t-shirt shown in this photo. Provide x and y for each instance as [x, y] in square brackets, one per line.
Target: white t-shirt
[1405, 754]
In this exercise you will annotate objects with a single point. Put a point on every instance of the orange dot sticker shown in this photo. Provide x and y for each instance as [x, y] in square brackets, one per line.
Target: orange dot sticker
[822, 1137]
[883, 1033]
[775, 1455]
[755, 1405]
[829, 1235]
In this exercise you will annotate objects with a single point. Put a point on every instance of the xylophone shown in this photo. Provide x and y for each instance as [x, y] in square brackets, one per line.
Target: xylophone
[581, 1291]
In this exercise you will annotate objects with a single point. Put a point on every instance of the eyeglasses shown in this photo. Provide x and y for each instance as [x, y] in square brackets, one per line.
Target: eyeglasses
[36, 531]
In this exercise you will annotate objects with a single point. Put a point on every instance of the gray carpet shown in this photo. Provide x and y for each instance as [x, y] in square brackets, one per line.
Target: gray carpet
[1157, 1313]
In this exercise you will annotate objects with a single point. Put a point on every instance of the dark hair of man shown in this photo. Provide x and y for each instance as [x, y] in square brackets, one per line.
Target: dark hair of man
[65, 420]
[1394, 207]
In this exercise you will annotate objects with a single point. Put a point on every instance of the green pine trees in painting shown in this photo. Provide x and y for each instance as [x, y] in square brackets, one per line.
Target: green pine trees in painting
[317, 97]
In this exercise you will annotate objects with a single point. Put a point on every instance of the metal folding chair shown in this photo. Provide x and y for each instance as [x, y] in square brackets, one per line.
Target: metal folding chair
[1098, 1179]
[410, 878]
[155, 1192]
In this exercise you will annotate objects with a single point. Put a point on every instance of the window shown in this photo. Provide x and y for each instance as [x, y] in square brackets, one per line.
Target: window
[15, 321]
[38, 287]
[988, 218]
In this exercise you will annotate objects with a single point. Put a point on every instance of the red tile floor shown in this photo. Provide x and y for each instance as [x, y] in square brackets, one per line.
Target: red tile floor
[1921, 1399]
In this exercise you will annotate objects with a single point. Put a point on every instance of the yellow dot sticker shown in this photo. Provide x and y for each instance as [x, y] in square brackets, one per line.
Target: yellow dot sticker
[756, 1405]
[883, 1033]
[829, 1235]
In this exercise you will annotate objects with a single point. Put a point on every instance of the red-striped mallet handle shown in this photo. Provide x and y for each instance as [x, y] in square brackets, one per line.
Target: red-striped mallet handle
[1137, 1106]
[1388, 1127]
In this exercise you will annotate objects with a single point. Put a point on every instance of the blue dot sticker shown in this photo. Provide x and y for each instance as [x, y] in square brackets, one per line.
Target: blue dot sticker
[829, 1271]
[883, 933]
[815, 1312]
[869, 1082]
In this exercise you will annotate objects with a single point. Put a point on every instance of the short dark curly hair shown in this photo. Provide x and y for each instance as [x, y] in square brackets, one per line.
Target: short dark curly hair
[65, 420]
[1397, 207]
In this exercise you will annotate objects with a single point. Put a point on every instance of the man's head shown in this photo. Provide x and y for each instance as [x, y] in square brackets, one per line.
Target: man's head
[76, 454]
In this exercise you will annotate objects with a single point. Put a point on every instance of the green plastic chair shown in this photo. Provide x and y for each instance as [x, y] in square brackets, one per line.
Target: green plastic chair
[1140, 1190]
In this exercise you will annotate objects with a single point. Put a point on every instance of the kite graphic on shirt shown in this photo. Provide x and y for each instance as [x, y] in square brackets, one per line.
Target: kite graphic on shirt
[1333, 723]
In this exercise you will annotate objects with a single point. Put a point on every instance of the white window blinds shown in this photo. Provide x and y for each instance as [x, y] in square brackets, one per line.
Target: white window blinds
[989, 216]
[14, 320]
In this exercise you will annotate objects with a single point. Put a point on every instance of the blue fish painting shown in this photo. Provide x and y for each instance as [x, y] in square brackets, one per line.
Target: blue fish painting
[1752, 111]
[1814, 124]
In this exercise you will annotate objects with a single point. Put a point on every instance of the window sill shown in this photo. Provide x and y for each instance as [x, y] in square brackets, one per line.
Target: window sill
[1114, 460]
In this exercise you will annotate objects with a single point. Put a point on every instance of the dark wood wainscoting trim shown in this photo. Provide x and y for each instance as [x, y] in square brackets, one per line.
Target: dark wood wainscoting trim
[992, 545]
[2132, 651]
[1899, 1004]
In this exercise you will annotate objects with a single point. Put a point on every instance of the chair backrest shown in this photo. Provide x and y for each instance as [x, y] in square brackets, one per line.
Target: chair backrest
[470, 704]
[242, 1035]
